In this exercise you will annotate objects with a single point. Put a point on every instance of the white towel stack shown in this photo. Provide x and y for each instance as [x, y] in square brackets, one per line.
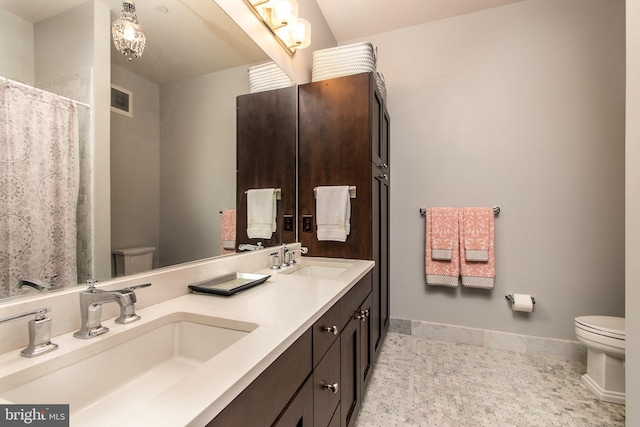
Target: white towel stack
[261, 213]
[333, 213]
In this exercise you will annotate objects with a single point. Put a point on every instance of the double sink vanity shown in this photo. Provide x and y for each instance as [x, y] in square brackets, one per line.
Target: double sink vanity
[268, 354]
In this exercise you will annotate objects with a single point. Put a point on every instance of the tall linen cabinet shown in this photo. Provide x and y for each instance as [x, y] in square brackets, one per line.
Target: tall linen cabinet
[343, 137]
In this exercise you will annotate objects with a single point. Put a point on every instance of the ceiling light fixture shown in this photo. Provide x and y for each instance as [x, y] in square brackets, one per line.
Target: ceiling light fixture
[281, 17]
[127, 35]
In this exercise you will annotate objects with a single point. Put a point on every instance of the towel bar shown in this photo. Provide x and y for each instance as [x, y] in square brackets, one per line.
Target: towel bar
[496, 210]
[352, 191]
[278, 194]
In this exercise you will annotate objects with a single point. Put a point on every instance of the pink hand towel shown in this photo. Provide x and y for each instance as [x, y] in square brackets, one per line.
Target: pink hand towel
[440, 272]
[228, 232]
[477, 255]
[444, 231]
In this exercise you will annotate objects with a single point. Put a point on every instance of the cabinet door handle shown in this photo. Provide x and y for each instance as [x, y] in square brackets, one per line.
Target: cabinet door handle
[332, 329]
[382, 166]
[362, 316]
[384, 176]
[333, 387]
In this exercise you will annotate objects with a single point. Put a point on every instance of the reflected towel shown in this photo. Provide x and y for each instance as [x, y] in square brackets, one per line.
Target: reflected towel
[228, 231]
[261, 213]
[333, 213]
[477, 254]
[441, 272]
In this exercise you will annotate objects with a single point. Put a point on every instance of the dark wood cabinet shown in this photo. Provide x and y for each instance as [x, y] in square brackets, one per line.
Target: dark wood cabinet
[262, 402]
[266, 156]
[344, 139]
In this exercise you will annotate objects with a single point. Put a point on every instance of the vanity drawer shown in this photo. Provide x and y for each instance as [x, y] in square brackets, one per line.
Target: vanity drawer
[354, 298]
[326, 386]
[325, 332]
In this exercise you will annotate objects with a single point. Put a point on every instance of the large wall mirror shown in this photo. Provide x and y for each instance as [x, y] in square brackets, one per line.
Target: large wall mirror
[159, 169]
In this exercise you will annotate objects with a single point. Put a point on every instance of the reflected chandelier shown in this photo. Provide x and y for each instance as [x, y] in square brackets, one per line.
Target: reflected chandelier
[281, 17]
[127, 35]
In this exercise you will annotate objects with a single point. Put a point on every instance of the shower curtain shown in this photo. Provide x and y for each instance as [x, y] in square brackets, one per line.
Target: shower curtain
[38, 187]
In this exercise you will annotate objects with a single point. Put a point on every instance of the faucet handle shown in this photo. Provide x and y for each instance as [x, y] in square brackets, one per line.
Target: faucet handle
[131, 288]
[91, 284]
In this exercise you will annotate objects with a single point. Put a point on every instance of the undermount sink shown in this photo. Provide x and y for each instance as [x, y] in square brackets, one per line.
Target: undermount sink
[319, 269]
[132, 372]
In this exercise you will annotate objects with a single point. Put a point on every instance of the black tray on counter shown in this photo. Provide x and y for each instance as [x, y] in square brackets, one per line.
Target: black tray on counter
[229, 284]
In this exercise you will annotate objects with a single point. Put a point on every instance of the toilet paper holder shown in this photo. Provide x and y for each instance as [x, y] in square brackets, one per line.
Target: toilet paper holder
[509, 297]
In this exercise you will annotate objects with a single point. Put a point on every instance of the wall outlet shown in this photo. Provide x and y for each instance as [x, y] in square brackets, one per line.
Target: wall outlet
[288, 222]
[307, 223]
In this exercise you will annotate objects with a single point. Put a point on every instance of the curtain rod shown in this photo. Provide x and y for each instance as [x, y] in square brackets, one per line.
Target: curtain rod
[45, 91]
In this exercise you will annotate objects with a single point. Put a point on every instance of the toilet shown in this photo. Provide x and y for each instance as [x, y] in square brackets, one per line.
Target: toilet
[133, 260]
[604, 337]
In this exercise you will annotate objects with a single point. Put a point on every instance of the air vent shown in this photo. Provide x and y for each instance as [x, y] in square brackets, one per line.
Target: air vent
[121, 101]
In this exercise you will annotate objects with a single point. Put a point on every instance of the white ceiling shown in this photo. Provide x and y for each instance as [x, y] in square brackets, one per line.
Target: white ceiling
[207, 40]
[193, 38]
[354, 19]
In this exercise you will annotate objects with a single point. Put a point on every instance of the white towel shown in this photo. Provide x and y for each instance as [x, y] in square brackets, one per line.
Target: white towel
[333, 213]
[261, 213]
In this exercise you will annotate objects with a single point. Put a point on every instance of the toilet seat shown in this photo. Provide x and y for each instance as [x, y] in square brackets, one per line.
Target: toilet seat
[605, 333]
[608, 326]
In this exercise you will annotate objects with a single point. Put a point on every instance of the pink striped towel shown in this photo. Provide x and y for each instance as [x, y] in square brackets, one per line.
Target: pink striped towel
[477, 255]
[442, 234]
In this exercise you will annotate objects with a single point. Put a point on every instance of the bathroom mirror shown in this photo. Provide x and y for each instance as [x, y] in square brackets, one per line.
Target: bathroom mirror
[171, 156]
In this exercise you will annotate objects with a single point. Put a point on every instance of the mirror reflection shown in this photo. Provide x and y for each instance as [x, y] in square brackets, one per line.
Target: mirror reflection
[150, 175]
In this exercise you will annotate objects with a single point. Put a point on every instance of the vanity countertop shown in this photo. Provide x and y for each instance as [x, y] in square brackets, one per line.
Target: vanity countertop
[283, 308]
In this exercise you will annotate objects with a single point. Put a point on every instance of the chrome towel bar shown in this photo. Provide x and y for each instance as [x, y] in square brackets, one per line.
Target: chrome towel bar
[496, 210]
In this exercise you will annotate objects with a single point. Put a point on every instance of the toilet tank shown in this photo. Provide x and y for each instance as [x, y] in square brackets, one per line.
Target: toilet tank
[133, 260]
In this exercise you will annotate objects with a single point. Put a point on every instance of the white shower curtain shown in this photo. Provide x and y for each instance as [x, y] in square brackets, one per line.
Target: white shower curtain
[38, 187]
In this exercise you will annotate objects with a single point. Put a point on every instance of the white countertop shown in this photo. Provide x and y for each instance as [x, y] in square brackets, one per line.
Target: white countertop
[283, 308]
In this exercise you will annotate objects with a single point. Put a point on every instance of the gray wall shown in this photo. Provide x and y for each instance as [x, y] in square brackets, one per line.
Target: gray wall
[16, 48]
[198, 129]
[135, 165]
[522, 107]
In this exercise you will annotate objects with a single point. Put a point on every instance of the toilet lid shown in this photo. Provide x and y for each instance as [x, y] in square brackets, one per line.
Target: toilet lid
[609, 325]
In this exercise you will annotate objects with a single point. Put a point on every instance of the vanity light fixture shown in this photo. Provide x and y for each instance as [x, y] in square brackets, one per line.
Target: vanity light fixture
[127, 34]
[281, 17]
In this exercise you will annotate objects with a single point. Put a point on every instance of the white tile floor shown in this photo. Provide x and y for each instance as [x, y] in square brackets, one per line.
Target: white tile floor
[423, 382]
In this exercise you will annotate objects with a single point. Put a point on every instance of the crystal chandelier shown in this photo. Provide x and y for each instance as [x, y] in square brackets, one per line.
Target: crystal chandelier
[127, 35]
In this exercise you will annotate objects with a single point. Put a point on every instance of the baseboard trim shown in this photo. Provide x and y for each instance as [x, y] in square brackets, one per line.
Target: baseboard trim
[548, 347]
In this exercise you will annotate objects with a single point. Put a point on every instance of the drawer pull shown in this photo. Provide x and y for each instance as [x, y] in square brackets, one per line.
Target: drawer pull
[362, 316]
[333, 387]
[332, 329]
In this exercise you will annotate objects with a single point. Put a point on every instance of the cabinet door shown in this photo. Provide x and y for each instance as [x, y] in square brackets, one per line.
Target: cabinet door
[350, 361]
[334, 131]
[380, 250]
[299, 413]
[366, 344]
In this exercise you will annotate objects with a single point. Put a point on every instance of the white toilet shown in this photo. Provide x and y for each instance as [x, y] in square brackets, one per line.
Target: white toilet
[133, 260]
[604, 337]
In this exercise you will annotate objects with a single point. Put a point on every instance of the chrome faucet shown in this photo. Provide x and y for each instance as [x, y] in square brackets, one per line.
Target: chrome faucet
[39, 285]
[91, 301]
[289, 255]
[39, 332]
[249, 247]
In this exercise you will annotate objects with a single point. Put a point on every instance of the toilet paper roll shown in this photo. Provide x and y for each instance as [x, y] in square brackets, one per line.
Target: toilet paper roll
[522, 302]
